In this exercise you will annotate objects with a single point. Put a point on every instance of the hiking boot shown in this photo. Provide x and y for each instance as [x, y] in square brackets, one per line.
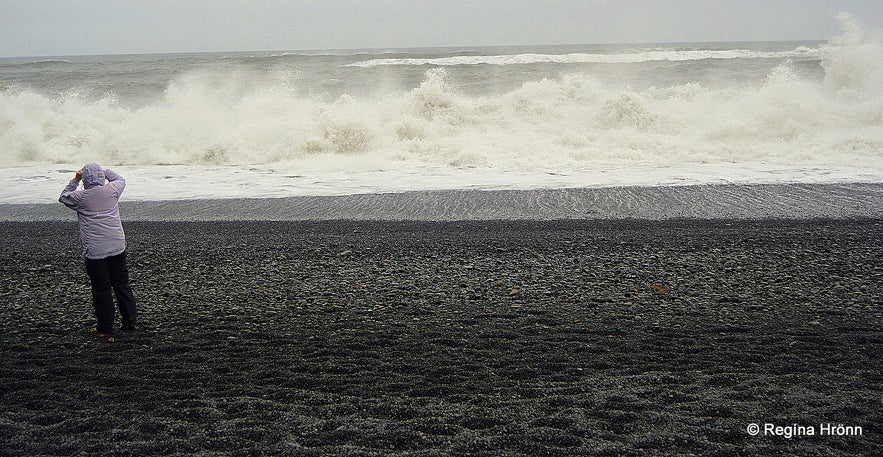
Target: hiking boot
[101, 332]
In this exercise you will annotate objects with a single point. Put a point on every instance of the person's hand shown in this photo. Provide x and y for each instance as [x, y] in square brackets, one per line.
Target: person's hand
[78, 176]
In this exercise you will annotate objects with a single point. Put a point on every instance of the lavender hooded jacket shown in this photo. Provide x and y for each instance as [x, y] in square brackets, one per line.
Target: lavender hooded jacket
[101, 231]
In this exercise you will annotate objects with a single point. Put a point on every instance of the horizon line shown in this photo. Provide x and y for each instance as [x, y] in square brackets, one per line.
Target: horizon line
[388, 49]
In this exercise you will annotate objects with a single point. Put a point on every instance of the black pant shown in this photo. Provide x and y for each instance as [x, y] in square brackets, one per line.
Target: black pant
[109, 274]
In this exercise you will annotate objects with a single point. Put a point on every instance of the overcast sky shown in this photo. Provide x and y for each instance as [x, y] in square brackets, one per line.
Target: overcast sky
[68, 27]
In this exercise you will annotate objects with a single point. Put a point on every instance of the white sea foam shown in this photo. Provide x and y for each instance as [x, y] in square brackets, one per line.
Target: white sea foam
[559, 130]
[624, 57]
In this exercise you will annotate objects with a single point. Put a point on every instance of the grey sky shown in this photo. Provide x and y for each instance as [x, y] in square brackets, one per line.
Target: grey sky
[66, 27]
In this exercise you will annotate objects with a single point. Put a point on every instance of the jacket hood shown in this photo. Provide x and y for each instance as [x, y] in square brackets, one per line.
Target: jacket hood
[93, 175]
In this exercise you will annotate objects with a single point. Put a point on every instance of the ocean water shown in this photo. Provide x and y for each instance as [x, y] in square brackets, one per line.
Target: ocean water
[272, 124]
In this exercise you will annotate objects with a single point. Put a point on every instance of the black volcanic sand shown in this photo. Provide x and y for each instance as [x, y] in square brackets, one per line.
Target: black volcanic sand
[478, 338]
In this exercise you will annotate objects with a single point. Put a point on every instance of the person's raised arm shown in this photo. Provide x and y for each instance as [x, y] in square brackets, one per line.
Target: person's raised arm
[111, 175]
[68, 195]
[115, 180]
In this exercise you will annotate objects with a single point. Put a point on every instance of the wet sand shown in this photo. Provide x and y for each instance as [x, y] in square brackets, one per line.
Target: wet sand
[719, 201]
[582, 337]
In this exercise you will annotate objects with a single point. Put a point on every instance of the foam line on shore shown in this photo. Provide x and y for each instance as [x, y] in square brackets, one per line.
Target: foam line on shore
[760, 201]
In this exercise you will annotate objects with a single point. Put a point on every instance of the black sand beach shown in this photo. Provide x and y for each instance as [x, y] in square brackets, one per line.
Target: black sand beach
[456, 338]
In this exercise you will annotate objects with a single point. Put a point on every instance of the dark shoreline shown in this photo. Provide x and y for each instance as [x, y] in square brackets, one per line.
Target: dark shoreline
[716, 201]
[460, 338]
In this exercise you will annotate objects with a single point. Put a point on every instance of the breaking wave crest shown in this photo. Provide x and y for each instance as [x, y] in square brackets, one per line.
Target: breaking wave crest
[564, 122]
[626, 57]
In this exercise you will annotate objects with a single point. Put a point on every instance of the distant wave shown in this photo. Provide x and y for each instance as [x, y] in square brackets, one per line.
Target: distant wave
[49, 61]
[630, 57]
[38, 63]
[287, 54]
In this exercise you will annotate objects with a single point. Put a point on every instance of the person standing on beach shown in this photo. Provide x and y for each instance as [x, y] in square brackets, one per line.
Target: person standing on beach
[103, 242]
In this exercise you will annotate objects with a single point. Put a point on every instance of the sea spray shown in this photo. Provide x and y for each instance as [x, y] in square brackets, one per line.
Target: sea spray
[756, 106]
